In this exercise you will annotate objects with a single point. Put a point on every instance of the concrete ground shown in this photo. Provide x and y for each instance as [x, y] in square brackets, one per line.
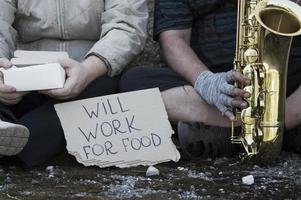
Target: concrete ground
[207, 179]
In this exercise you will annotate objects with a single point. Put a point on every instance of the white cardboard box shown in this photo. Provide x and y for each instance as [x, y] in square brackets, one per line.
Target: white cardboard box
[27, 58]
[37, 77]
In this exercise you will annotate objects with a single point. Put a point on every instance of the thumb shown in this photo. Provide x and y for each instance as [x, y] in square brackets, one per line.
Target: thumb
[66, 62]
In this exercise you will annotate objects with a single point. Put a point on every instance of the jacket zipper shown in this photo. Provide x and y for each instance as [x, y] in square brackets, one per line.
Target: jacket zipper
[60, 23]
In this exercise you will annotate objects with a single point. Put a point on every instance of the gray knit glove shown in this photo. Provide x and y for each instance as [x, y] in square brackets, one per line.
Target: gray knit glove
[216, 89]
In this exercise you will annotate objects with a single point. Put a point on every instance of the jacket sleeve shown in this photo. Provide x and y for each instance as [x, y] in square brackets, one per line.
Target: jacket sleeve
[7, 32]
[123, 36]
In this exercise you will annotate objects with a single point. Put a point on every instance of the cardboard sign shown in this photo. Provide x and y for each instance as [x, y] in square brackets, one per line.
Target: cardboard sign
[122, 130]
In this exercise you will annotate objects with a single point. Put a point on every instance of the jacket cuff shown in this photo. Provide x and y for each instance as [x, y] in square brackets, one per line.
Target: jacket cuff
[115, 61]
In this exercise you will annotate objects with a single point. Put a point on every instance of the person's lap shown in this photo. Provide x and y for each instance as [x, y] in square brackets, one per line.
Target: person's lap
[165, 78]
[37, 113]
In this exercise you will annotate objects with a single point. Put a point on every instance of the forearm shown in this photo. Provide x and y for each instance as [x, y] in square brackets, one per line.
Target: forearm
[215, 89]
[293, 110]
[180, 56]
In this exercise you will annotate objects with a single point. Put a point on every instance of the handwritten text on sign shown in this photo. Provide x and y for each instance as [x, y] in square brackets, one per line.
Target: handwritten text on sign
[124, 130]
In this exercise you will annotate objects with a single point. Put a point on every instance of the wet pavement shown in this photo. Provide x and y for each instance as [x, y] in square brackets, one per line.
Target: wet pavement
[208, 179]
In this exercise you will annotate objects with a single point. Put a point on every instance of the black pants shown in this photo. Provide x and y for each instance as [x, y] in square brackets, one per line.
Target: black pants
[37, 113]
[165, 78]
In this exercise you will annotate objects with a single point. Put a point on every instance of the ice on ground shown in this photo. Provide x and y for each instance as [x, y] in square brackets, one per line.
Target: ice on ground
[152, 171]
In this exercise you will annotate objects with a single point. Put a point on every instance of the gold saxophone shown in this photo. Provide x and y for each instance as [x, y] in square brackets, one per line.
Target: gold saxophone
[265, 29]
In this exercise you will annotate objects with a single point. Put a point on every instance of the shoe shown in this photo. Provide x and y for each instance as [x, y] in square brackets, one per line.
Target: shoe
[292, 140]
[13, 138]
[198, 141]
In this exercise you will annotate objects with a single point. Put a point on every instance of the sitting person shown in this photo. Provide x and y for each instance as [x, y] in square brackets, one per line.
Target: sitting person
[198, 40]
[101, 37]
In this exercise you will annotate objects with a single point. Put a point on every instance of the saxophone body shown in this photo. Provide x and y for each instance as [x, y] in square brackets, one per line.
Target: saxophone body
[265, 29]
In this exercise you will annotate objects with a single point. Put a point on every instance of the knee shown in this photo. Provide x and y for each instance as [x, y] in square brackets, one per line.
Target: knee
[204, 112]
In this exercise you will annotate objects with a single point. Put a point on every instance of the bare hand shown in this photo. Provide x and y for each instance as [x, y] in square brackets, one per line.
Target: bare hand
[8, 94]
[77, 80]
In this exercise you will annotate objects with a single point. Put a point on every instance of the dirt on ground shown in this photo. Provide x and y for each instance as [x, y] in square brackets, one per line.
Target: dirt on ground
[207, 179]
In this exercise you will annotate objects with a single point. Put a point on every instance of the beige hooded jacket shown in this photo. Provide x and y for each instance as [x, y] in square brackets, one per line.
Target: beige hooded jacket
[114, 30]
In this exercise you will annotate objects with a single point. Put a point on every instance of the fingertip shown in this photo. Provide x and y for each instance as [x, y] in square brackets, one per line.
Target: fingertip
[247, 95]
[247, 81]
[230, 115]
[231, 118]
[244, 105]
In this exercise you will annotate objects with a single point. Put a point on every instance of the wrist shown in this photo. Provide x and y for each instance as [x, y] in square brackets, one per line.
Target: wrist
[193, 74]
[201, 78]
[95, 67]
